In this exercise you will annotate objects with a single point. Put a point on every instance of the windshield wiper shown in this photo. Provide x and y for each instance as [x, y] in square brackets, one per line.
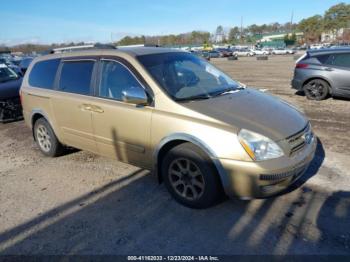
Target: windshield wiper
[192, 98]
[229, 90]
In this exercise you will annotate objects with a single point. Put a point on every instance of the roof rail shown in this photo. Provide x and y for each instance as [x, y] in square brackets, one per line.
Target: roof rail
[138, 45]
[81, 47]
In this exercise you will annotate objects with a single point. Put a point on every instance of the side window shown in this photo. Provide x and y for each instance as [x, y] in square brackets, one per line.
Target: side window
[342, 60]
[325, 59]
[43, 73]
[76, 77]
[114, 79]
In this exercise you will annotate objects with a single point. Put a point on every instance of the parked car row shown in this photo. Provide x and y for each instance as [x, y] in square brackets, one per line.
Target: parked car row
[10, 83]
[18, 64]
[227, 52]
[11, 72]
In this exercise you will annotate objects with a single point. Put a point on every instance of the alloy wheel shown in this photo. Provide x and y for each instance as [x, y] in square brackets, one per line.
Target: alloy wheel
[186, 179]
[43, 137]
[315, 89]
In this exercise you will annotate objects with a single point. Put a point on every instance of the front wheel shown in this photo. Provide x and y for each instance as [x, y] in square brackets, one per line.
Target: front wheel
[316, 89]
[190, 177]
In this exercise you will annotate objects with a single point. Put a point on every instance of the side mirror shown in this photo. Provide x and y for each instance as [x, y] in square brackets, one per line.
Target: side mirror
[135, 95]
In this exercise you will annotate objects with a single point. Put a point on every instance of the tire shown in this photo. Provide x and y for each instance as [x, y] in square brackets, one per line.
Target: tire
[46, 139]
[190, 177]
[316, 89]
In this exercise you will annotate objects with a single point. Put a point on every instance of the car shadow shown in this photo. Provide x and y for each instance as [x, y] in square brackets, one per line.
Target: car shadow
[301, 93]
[135, 215]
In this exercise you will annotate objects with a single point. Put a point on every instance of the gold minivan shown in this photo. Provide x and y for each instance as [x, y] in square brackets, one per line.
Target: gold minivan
[202, 133]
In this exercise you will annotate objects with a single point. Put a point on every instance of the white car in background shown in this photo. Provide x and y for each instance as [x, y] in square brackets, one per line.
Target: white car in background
[243, 52]
[260, 51]
[280, 51]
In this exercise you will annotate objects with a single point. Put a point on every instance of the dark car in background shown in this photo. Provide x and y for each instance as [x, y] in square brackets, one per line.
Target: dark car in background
[8, 63]
[10, 105]
[214, 54]
[24, 64]
[323, 72]
[203, 54]
[224, 52]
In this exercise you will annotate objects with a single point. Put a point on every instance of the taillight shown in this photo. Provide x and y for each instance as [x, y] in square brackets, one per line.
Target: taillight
[301, 65]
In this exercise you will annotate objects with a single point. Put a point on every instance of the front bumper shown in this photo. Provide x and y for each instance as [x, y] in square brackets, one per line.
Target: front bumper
[261, 179]
[10, 110]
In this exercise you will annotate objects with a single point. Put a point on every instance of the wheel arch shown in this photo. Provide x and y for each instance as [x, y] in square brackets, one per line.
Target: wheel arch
[173, 140]
[37, 114]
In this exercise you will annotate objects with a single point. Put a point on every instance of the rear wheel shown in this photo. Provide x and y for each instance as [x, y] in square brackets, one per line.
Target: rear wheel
[190, 177]
[46, 139]
[316, 89]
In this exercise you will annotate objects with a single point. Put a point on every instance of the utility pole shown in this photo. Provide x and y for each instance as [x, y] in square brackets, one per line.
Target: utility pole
[241, 29]
[291, 21]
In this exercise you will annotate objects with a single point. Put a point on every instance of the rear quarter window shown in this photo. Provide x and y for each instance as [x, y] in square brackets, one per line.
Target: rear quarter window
[325, 59]
[43, 73]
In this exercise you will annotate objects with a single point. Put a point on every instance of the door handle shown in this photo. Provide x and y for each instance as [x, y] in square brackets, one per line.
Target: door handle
[97, 109]
[86, 107]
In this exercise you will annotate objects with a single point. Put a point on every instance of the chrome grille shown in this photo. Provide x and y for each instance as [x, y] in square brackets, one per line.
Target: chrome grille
[297, 141]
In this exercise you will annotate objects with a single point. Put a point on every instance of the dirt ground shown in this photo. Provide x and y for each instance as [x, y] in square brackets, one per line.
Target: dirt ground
[81, 203]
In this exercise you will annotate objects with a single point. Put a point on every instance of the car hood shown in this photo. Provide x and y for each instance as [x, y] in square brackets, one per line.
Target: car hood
[10, 89]
[253, 110]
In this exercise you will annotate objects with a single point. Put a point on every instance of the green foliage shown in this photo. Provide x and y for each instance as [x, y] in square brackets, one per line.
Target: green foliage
[233, 35]
[128, 40]
[194, 37]
[312, 27]
[336, 17]
[290, 39]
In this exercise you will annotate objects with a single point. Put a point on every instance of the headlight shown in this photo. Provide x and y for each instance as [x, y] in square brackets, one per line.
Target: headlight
[258, 146]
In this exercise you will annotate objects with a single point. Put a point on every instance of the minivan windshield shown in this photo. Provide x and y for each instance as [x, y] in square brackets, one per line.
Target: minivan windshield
[187, 77]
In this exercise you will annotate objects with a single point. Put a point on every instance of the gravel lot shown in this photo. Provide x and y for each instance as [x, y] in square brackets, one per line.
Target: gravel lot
[81, 203]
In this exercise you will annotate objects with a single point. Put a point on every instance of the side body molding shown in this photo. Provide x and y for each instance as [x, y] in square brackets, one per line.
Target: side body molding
[202, 145]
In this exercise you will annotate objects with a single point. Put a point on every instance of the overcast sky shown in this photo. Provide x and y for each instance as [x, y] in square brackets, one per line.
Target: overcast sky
[43, 21]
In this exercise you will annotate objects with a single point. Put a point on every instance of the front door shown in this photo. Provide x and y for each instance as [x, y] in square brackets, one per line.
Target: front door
[122, 130]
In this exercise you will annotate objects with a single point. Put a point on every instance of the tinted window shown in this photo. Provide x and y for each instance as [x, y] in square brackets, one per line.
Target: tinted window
[115, 78]
[325, 59]
[43, 73]
[342, 60]
[76, 77]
